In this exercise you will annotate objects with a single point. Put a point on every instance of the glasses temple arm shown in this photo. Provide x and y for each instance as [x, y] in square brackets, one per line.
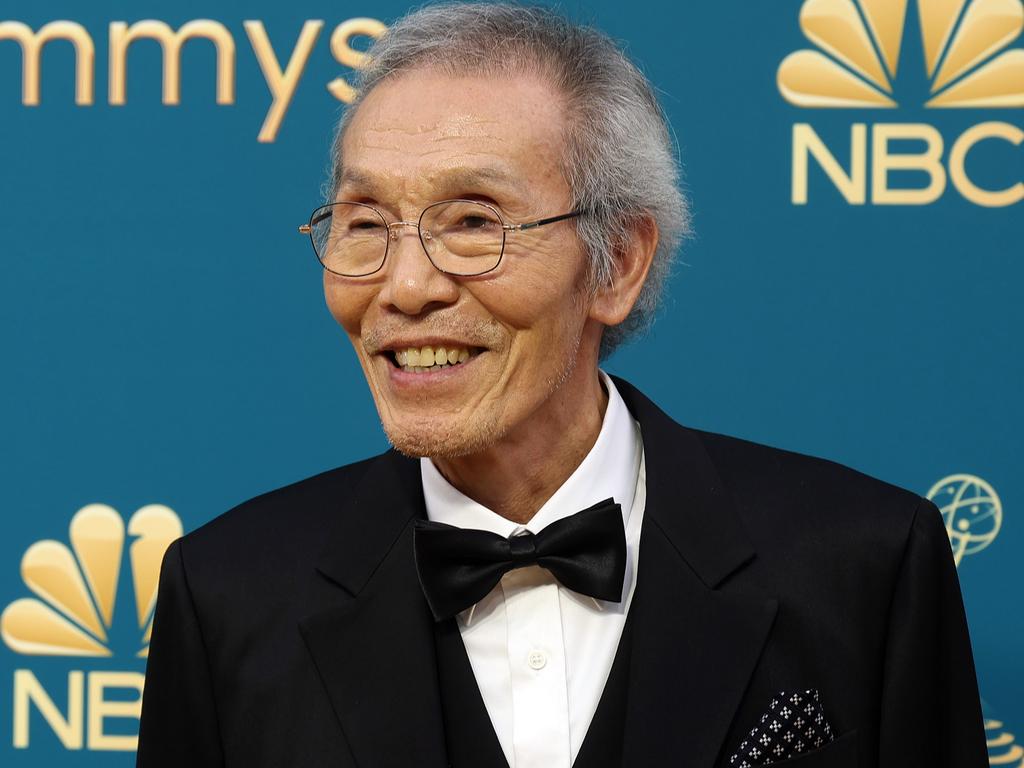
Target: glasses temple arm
[306, 228]
[542, 222]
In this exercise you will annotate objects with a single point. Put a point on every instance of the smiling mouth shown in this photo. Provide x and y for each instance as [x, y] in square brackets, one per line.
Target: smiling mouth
[429, 359]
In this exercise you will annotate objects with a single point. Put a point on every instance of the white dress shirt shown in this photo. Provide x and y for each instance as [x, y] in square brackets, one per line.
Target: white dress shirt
[541, 653]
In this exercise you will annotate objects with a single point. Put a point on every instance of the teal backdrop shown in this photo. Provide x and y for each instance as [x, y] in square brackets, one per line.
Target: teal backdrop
[165, 339]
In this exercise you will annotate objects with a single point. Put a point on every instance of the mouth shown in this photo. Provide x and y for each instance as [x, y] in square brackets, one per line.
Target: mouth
[430, 358]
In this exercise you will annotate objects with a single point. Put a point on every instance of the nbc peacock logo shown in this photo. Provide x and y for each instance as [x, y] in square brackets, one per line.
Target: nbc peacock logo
[963, 41]
[72, 614]
[968, 63]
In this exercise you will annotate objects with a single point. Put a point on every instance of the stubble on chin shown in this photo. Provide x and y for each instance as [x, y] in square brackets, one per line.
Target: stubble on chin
[446, 441]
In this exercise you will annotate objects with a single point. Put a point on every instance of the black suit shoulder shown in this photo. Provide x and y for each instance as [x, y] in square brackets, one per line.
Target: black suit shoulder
[786, 501]
[305, 501]
[264, 547]
[786, 496]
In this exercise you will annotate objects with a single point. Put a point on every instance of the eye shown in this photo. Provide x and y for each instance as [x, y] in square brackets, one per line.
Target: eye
[367, 224]
[473, 221]
[364, 224]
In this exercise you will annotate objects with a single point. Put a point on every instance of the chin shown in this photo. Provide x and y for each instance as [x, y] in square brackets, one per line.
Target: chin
[442, 441]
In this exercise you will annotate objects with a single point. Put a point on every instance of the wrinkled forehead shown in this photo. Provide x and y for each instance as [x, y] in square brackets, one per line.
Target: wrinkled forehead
[502, 129]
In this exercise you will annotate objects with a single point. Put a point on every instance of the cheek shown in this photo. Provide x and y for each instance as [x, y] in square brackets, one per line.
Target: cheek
[537, 298]
[347, 303]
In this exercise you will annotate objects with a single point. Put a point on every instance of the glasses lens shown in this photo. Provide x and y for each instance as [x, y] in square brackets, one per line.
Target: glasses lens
[462, 237]
[350, 239]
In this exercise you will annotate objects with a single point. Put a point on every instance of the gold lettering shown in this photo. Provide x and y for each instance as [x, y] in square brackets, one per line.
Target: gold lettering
[852, 186]
[930, 162]
[28, 689]
[282, 85]
[100, 709]
[122, 36]
[958, 171]
[348, 56]
[31, 49]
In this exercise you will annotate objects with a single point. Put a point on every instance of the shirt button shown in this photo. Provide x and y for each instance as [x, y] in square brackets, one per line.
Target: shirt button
[537, 659]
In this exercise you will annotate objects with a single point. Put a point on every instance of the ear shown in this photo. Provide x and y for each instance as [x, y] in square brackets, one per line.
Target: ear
[632, 260]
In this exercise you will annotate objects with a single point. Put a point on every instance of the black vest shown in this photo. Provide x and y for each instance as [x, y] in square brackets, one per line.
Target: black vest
[470, 736]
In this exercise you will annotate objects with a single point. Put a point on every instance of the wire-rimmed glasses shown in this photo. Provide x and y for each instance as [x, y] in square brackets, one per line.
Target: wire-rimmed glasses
[460, 237]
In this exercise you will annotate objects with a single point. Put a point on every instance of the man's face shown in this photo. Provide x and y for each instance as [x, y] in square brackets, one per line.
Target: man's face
[425, 137]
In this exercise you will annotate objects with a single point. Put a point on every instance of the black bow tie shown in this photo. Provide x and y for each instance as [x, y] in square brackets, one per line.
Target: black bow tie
[457, 567]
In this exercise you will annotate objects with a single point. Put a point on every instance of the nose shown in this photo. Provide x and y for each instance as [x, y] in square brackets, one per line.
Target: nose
[413, 285]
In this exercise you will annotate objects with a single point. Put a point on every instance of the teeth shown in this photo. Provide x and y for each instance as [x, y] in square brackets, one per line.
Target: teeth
[429, 359]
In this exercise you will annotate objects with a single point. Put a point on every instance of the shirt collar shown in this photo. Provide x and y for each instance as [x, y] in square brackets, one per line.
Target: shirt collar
[609, 469]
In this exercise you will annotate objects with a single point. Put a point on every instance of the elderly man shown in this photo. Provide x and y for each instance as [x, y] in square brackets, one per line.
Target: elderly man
[546, 570]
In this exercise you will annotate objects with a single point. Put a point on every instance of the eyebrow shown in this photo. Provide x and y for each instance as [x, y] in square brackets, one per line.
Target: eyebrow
[448, 180]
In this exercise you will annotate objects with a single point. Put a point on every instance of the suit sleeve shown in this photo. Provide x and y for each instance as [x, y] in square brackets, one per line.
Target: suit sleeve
[178, 726]
[930, 712]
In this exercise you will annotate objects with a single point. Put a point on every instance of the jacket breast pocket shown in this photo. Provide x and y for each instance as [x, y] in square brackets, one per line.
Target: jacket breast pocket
[838, 753]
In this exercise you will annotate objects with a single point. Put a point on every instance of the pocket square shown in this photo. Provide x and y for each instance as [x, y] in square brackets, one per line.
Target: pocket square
[794, 723]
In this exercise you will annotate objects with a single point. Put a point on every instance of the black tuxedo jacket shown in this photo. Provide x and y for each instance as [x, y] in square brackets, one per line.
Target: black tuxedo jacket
[291, 631]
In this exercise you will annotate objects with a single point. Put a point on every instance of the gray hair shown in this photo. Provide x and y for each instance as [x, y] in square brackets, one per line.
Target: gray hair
[619, 159]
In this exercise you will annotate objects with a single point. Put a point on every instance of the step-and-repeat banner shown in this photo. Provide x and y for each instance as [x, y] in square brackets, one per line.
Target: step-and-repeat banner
[852, 291]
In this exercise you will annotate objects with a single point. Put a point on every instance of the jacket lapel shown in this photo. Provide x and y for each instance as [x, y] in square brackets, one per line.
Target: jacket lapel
[695, 643]
[373, 643]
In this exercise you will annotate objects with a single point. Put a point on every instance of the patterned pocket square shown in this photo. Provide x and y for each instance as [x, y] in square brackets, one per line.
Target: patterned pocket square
[793, 724]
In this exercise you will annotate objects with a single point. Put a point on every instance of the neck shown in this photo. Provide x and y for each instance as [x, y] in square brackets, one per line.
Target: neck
[517, 474]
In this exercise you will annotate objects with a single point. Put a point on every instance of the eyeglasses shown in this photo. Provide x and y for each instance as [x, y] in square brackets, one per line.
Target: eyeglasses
[460, 237]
